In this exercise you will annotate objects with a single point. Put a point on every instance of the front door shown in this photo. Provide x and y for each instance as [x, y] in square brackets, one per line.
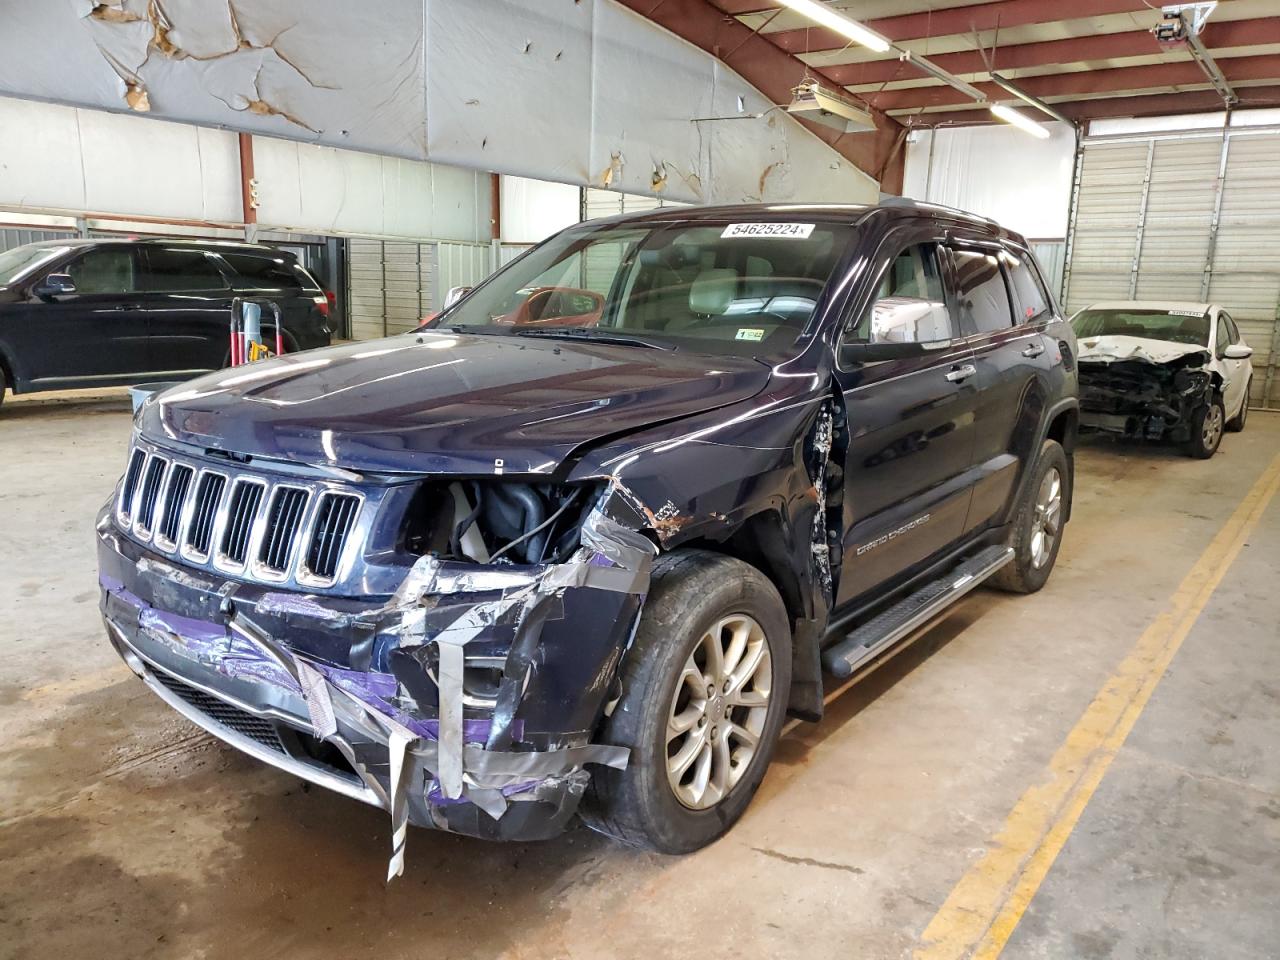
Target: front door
[911, 424]
[97, 334]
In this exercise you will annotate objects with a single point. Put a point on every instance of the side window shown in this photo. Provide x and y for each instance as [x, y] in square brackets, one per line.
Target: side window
[910, 304]
[275, 273]
[981, 292]
[1032, 301]
[1232, 330]
[1223, 338]
[175, 270]
[109, 270]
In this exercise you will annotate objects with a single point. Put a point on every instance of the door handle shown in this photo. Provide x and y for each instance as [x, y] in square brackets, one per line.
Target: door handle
[1034, 350]
[962, 373]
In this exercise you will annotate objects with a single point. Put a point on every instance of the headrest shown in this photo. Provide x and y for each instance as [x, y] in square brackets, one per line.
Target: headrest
[712, 291]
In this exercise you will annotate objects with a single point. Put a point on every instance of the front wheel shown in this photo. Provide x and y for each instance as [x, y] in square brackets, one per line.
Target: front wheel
[705, 688]
[1206, 430]
[1037, 523]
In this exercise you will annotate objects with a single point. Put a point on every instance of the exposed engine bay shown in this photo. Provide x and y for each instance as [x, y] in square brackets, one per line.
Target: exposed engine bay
[491, 521]
[1142, 394]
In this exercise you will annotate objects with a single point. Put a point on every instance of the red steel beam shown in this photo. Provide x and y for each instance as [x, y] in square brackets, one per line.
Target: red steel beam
[1147, 105]
[1151, 76]
[1104, 46]
[957, 20]
[774, 72]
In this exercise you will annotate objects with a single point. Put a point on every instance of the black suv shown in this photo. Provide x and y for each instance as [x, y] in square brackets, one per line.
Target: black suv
[580, 543]
[92, 313]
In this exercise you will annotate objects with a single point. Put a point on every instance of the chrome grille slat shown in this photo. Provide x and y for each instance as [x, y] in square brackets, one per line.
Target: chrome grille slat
[334, 520]
[129, 489]
[152, 480]
[242, 511]
[175, 498]
[265, 527]
[208, 496]
[284, 517]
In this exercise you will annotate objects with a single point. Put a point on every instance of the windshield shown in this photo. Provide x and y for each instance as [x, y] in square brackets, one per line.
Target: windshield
[746, 289]
[16, 263]
[1176, 326]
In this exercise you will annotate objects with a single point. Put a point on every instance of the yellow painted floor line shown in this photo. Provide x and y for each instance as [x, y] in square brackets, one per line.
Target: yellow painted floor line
[983, 909]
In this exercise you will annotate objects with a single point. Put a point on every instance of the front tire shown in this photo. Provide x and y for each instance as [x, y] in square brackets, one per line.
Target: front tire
[1037, 523]
[1206, 430]
[705, 688]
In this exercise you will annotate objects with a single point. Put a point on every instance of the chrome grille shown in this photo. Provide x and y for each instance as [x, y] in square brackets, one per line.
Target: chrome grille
[246, 497]
[261, 527]
[334, 519]
[284, 517]
[175, 498]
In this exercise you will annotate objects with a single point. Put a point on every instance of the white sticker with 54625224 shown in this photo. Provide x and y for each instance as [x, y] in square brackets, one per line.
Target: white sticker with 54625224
[789, 231]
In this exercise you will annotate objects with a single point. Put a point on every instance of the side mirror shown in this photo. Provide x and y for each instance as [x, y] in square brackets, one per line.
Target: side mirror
[901, 327]
[55, 284]
[1238, 351]
[454, 295]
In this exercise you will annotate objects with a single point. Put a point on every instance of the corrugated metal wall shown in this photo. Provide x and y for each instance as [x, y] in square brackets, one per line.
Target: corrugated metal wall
[394, 284]
[1184, 217]
[11, 237]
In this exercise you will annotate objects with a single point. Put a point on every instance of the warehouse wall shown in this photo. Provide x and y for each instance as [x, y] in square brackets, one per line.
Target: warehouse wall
[68, 160]
[997, 171]
[578, 91]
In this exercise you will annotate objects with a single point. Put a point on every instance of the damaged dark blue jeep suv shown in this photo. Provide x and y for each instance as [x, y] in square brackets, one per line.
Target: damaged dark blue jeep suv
[578, 544]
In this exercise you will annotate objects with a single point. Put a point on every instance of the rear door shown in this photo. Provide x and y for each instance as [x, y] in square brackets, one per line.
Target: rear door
[281, 280]
[911, 421]
[96, 334]
[188, 304]
[1002, 315]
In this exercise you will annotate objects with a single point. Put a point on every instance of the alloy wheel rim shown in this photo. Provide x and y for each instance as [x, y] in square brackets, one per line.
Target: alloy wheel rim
[1212, 427]
[1047, 518]
[718, 711]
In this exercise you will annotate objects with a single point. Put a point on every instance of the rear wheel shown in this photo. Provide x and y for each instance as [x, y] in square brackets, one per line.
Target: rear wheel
[705, 688]
[4, 385]
[1206, 430]
[1037, 523]
[1236, 423]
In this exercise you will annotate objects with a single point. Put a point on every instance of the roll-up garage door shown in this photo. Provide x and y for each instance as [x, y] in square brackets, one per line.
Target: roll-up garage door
[1184, 217]
[390, 284]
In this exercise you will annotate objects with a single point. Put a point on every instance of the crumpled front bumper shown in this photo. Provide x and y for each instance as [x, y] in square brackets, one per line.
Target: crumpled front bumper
[368, 697]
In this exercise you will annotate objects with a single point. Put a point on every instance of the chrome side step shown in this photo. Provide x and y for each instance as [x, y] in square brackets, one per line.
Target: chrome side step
[883, 631]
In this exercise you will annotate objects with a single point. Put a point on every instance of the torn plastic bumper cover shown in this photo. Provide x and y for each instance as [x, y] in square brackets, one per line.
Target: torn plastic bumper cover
[387, 683]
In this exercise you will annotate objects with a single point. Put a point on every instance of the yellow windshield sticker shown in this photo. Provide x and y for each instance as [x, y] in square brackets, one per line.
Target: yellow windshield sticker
[750, 333]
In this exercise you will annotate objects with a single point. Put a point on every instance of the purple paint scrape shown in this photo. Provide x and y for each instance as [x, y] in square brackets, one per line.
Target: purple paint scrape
[204, 642]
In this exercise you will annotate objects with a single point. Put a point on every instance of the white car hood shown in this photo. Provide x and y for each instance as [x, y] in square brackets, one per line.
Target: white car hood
[1110, 349]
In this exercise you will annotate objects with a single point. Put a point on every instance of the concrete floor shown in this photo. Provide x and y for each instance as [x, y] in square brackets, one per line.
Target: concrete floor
[127, 832]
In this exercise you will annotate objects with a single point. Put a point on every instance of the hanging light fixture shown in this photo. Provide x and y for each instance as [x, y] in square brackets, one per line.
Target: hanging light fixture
[822, 14]
[1019, 120]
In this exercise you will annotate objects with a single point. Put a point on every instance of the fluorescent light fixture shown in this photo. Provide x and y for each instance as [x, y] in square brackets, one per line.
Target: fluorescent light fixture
[822, 14]
[811, 102]
[1022, 122]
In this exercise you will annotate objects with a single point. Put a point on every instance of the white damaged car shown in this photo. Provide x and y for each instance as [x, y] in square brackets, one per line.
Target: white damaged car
[1160, 370]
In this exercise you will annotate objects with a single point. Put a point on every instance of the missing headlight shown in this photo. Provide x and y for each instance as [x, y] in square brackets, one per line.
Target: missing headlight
[488, 521]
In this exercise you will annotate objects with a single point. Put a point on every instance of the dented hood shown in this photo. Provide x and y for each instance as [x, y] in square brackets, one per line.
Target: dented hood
[445, 404]
[1110, 349]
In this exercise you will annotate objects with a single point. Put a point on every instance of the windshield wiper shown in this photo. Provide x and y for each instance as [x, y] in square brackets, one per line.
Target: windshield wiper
[593, 334]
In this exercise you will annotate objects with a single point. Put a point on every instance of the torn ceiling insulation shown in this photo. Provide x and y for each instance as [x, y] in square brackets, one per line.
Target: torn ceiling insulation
[585, 92]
